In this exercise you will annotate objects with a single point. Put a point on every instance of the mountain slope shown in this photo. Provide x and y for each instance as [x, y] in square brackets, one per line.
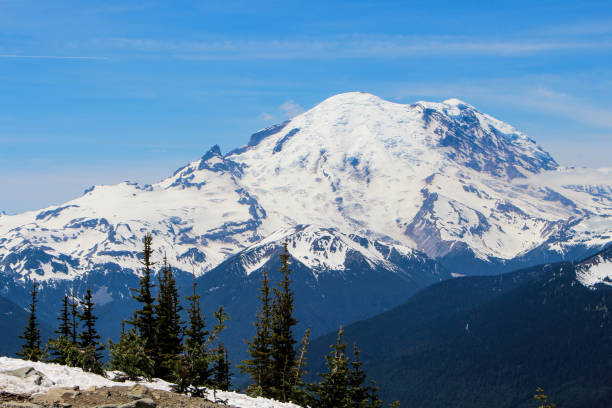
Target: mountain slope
[13, 320]
[482, 341]
[380, 200]
[336, 279]
[443, 178]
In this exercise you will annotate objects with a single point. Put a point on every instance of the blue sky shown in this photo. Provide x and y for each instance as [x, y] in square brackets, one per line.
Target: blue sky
[96, 92]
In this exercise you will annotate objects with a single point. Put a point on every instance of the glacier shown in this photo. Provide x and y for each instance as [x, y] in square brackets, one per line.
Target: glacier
[441, 178]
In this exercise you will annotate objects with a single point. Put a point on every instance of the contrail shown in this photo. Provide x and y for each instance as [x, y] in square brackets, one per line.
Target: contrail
[68, 57]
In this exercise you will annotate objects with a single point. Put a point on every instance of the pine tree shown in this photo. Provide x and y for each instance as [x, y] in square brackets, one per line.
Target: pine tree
[222, 368]
[89, 337]
[59, 346]
[259, 366]
[144, 318]
[283, 343]
[31, 335]
[195, 333]
[169, 344]
[74, 324]
[543, 399]
[362, 395]
[192, 371]
[64, 318]
[299, 394]
[334, 389]
[129, 356]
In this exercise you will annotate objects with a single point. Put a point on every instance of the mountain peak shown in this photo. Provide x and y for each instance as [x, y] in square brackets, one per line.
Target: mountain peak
[457, 102]
[352, 97]
[212, 152]
[437, 177]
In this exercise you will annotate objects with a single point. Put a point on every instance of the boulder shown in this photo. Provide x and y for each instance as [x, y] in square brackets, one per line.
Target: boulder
[56, 396]
[141, 403]
[26, 372]
[138, 392]
[14, 404]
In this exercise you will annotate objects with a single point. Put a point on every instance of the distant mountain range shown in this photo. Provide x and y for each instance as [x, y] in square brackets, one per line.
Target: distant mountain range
[377, 200]
[490, 341]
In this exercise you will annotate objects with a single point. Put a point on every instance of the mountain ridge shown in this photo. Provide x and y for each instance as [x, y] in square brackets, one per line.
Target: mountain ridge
[491, 340]
[442, 178]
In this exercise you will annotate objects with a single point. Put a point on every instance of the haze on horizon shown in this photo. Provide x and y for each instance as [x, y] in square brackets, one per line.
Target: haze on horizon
[101, 92]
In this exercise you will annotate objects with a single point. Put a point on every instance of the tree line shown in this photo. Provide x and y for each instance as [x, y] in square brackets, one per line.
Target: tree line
[159, 344]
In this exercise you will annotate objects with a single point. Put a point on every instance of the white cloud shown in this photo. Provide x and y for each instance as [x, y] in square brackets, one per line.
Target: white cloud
[266, 116]
[571, 176]
[538, 94]
[561, 104]
[291, 109]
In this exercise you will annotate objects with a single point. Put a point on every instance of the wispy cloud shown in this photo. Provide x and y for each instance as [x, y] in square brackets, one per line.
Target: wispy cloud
[535, 93]
[593, 27]
[287, 109]
[358, 46]
[562, 104]
[290, 109]
[59, 57]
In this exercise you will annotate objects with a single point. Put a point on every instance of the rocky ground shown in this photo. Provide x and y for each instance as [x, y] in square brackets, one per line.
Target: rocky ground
[137, 396]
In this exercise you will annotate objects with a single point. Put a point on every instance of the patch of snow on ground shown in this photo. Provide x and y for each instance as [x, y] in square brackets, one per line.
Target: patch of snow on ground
[600, 273]
[62, 376]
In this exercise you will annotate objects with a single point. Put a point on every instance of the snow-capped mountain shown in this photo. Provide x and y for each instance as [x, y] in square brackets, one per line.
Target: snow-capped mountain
[337, 279]
[442, 178]
[376, 200]
[325, 250]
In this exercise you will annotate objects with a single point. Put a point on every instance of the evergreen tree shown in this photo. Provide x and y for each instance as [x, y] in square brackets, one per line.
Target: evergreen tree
[222, 375]
[31, 350]
[59, 345]
[144, 318]
[259, 366]
[89, 337]
[64, 318]
[357, 378]
[192, 371]
[374, 400]
[66, 352]
[362, 396]
[195, 333]
[169, 344]
[334, 389]
[299, 394]
[283, 343]
[543, 399]
[129, 356]
[74, 324]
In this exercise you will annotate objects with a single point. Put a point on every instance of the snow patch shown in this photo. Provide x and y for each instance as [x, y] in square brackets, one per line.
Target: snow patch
[598, 273]
[61, 376]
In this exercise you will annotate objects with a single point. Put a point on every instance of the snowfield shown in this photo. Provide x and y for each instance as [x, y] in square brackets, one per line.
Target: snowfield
[428, 176]
[61, 376]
